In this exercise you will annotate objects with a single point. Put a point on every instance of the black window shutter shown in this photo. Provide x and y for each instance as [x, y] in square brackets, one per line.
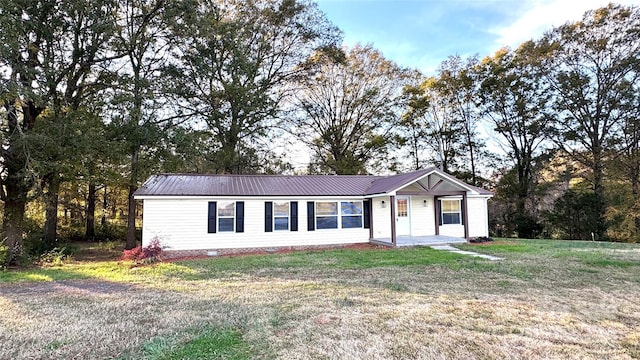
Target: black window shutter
[294, 216]
[268, 216]
[239, 216]
[367, 213]
[212, 217]
[311, 216]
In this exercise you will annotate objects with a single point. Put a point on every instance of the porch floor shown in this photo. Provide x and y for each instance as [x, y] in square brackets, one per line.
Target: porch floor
[427, 240]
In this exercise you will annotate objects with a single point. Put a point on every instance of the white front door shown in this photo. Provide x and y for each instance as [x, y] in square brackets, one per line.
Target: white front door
[403, 222]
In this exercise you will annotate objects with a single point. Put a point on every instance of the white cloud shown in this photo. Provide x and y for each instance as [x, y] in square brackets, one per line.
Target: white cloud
[543, 15]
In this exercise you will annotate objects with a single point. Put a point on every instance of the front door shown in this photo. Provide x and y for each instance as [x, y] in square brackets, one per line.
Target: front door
[403, 223]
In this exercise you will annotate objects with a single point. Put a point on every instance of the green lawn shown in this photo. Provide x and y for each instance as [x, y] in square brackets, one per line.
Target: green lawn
[546, 299]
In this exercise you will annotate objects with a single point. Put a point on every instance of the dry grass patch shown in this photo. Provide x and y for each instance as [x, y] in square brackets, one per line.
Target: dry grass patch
[545, 301]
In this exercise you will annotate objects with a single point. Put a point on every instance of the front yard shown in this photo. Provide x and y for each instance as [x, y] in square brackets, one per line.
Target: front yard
[547, 299]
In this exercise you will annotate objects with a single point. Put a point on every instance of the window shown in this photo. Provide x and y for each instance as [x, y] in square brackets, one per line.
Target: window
[326, 215]
[351, 214]
[226, 215]
[403, 207]
[281, 215]
[450, 210]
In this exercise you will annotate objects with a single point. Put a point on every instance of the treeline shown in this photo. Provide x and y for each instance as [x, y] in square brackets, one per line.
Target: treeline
[98, 95]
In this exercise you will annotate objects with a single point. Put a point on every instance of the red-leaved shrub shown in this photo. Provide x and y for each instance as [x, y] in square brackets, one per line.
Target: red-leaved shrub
[150, 253]
[133, 254]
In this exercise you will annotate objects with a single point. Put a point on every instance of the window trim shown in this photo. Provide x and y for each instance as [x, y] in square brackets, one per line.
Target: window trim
[459, 211]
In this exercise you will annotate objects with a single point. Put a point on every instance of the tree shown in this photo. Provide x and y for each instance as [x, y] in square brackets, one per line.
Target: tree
[457, 86]
[433, 118]
[235, 66]
[592, 66]
[49, 49]
[348, 107]
[575, 215]
[516, 102]
[137, 99]
[412, 130]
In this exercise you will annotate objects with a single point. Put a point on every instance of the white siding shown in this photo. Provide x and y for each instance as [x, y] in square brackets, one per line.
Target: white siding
[452, 230]
[422, 216]
[381, 218]
[478, 217]
[181, 224]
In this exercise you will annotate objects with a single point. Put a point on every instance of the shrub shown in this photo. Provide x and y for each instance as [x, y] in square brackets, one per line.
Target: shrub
[149, 253]
[56, 256]
[133, 254]
[152, 251]
[5, 255]
[110, 232]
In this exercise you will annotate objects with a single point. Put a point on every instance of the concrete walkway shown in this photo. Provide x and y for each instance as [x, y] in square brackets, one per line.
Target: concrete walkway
[470, 253]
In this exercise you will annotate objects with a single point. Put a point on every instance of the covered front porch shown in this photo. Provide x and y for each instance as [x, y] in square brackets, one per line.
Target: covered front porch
[427, 240]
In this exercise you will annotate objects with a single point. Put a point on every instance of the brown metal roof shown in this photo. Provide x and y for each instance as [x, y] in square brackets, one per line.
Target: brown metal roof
[276, 185]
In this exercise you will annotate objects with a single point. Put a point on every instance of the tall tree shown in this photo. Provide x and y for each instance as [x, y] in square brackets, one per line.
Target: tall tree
[432, 115]
[412, 130]
[457, 86]
[592, 67]
[48, 51]
[348, 107]
[136, 118]
[516, 102]
[236, 63]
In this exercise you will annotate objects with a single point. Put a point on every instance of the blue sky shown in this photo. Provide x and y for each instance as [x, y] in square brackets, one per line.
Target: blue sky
[422, 33]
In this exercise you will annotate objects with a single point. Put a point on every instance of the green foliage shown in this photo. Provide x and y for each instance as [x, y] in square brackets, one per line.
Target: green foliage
[5, 255]
[236, 66]
[110, 232]
[592, 66]
[56, 256]
[577, 215]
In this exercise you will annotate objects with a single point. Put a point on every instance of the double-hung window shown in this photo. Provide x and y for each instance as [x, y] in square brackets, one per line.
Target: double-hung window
[281, 215]
[326, 215]
[351, 214]
[226, 215]
[450, 212]
[334, 214]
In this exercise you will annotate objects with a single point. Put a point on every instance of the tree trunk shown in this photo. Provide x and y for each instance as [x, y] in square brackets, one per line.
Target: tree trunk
[16, 183]
[470, 144]
[51, 209]
[131, 202]
[14, 207]
[598, 188]
[90, 228]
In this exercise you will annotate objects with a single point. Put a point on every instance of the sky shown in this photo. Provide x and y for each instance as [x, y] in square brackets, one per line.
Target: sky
[422, 33]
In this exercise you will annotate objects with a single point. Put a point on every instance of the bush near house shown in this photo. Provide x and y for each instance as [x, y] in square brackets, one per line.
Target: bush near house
[149, 253]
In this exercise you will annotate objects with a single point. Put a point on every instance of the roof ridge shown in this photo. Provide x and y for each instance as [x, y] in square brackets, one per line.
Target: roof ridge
[274, 175]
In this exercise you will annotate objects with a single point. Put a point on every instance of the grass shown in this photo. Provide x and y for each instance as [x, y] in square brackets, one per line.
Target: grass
[547, 299]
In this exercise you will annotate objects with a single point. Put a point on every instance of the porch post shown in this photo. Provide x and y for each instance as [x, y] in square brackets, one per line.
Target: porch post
[465, 217]
[392, 204]
[370, 205]
[436, 210]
